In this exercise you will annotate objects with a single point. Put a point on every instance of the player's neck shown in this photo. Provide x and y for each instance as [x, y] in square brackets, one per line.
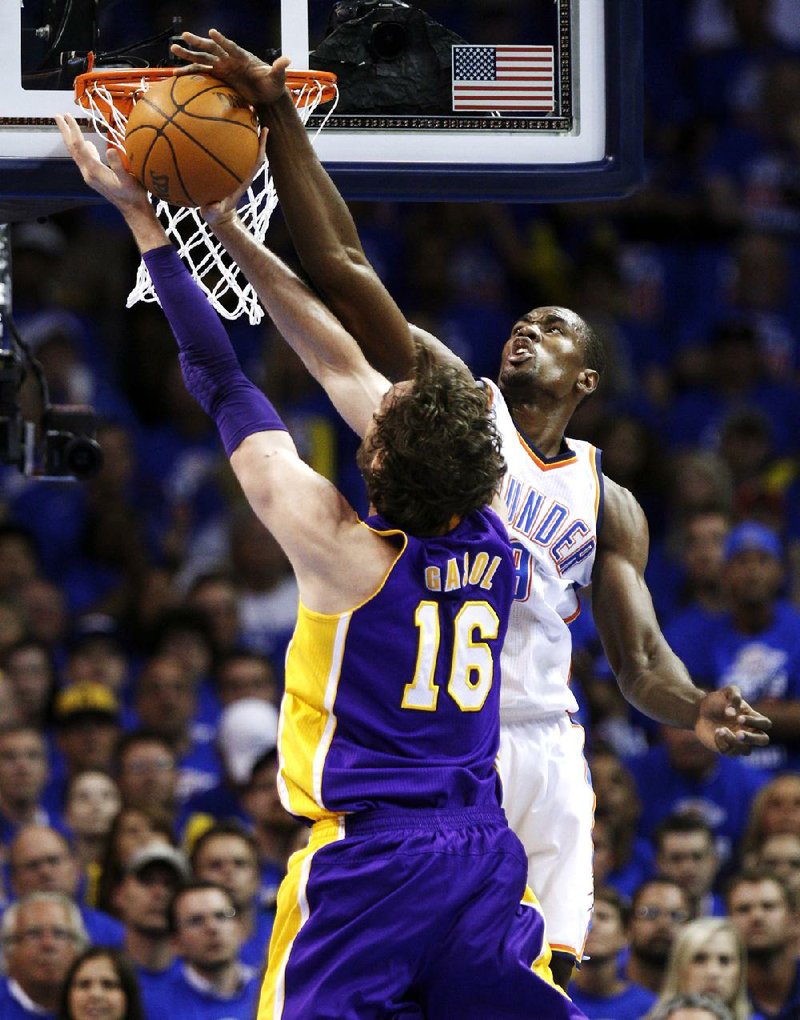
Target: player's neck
[543, 429]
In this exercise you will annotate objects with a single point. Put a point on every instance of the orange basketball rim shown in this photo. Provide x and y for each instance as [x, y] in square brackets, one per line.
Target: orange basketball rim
[121, 87]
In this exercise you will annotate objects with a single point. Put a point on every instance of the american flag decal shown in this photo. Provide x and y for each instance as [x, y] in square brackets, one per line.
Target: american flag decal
[501, 78]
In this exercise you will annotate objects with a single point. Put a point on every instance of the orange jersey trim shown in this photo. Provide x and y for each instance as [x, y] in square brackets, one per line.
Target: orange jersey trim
[544, 465]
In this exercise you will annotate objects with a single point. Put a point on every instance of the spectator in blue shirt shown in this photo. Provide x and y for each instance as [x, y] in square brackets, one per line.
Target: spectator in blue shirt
[42, 860]
[228, 855]
[659, 909]
[166, 704]
[41, 934]
[23, 778]
[152, 877]
[755, 645]
[679, 775]
[764, 912]
[212, 982]
[598, 988]
[686, 853]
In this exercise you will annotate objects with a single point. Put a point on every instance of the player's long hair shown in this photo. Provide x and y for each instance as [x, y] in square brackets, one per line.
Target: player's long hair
[434, 454]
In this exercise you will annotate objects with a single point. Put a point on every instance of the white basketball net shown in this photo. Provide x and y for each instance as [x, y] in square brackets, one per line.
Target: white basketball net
[211, 266]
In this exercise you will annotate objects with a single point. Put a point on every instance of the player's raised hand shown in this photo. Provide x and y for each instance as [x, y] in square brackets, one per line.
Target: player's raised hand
[111, 180]
[254, 80]
[726, 723]
[216, 214]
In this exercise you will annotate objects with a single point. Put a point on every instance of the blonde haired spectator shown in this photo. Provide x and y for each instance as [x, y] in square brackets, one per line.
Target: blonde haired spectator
[775, 808]
[708, 958]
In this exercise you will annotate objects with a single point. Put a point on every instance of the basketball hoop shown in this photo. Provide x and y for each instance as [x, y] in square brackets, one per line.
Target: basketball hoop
[109, 95]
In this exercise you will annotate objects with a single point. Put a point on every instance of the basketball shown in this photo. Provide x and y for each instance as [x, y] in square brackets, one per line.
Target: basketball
[191, 139]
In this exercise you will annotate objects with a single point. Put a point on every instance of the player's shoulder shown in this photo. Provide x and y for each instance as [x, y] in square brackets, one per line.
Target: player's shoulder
[624, 525]
[622, 509]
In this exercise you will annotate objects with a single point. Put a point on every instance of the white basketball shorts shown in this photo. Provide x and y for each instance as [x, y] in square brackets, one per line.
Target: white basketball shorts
[549, 802]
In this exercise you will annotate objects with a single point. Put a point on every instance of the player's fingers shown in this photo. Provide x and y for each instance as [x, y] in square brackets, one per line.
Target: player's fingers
[754, 720]
[198, 42]
[199, 62]
[728, 743]
[227, 45]
[68, 128]
[118, 162]
[752, 737]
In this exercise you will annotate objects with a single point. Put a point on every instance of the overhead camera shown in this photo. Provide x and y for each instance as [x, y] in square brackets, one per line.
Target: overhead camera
[388, 35]
[389, 57]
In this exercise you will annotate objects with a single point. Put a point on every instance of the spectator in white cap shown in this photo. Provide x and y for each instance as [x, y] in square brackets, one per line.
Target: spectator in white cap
[248, 729]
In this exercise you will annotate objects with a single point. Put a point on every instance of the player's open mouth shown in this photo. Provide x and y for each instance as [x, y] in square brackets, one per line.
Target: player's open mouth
[520, 352]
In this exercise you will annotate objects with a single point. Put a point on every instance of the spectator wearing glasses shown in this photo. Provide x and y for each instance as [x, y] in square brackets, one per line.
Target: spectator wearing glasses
[598, 988]
[42, 935]
[212, 981]
[659, 909]
[42, 860]
[228, 855]
[147, 773]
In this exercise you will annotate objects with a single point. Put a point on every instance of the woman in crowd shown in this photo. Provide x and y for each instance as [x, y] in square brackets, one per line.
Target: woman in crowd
[708, 958]
[100, 982]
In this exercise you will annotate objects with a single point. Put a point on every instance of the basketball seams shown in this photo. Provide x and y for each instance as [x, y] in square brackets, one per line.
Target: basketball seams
[170, 121]
[176, 132]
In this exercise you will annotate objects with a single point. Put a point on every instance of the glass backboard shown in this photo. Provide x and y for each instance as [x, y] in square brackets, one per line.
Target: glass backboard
[520, 100]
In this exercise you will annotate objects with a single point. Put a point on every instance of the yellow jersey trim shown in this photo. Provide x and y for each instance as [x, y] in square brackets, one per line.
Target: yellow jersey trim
[292, 913]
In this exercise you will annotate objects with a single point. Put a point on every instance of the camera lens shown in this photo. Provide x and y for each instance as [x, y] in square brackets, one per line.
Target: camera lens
[83, 457]
[387, 40]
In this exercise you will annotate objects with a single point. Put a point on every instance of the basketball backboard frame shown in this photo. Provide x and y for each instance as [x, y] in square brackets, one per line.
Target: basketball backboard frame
[599, 157]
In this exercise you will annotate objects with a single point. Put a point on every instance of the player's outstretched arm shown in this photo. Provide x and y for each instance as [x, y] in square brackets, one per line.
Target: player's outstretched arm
[322, 229]
[114, 183]
[649, 673]
[279, 486]
[327, 350]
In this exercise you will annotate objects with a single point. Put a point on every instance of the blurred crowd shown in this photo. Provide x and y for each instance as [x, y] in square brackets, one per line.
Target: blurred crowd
[144, 613]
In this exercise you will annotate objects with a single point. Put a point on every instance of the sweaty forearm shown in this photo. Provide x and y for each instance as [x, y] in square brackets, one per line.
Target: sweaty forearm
[326, 239]
[307, 325]
[317, 216]
[143, 223]
[659, 685]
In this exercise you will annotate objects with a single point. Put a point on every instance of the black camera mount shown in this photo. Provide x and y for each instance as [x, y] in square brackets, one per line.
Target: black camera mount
[62, 445]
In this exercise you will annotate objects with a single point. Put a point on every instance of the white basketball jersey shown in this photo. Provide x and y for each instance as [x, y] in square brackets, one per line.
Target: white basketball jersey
[553, 509]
